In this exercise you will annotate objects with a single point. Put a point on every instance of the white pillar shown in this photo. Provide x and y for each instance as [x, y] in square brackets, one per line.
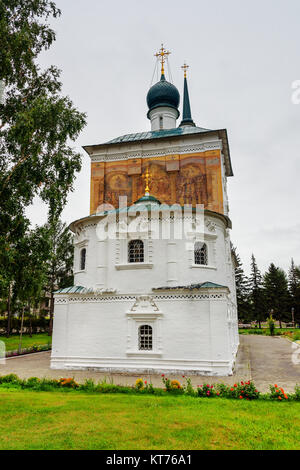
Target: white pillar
[102, 264]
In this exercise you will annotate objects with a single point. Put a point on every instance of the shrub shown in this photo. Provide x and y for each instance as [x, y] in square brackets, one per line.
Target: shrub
[277, 393]
[271, 324]
[139, 384]
[188, 387]
[68, 383]
[88, 386]
[206, 390]
[242, 390]
[11, 378]
[297, 392]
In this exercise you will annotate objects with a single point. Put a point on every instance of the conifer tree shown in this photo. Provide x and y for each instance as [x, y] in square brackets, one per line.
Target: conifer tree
[241, 282]
[256, 293]
[294, 290]
[277, 295]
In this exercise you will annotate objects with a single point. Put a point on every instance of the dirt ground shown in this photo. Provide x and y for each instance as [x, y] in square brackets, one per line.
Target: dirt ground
[263, 359]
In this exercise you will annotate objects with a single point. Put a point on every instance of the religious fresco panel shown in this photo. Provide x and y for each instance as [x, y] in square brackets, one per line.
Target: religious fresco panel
[184, 179]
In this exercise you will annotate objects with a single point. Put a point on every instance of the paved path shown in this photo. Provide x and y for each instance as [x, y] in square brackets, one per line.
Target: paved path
[264, 359]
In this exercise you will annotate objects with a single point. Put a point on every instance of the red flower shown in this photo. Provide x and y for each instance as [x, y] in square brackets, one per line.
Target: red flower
[145, 381]
[235, 385]
[241, 397]
[231, 389]
[162, 375]
[183, 376]
[276, 386]
[242, 383]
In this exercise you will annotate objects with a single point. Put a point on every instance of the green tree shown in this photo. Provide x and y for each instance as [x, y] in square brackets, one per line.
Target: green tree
[36, 125]
[60, 261]
[256, 293]
[277, 295]
[241, 282]
[294, 290]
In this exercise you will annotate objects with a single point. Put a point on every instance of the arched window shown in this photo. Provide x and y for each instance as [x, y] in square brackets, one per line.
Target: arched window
[82, 259]
[200, 253]
[135, 251]
[145, 337]
[161, 122]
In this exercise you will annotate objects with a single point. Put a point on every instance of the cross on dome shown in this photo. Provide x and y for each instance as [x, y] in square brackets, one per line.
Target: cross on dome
[184, 68]
[162, 53]
[147, 177]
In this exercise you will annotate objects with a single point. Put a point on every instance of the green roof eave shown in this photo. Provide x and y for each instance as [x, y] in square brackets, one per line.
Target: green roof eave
[176, 133]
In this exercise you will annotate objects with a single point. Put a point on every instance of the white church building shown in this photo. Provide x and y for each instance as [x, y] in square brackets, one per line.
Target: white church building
[154, 285]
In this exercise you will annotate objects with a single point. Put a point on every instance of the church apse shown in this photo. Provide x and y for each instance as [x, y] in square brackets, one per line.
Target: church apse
[175, 179]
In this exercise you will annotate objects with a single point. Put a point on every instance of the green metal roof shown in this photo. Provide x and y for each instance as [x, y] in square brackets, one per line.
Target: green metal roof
[202, 285]
[71, 290]
[147, 199]
[176, 131]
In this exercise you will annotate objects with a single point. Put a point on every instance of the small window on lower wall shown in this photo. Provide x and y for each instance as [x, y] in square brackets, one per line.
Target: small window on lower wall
[200, 253]
[82, 259]
[136, 251]
[145, 338]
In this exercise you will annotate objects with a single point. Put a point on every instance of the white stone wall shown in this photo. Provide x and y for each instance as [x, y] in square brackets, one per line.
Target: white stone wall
[191, 333]
[167, 262]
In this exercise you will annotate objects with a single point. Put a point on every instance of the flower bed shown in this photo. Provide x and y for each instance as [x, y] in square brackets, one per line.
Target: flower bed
[239, 391]
[32, 349]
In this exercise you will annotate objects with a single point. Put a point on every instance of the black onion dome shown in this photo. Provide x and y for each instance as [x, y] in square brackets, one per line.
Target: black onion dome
[163, 93]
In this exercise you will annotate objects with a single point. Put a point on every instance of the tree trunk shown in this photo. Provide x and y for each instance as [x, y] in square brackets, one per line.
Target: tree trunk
[51, 313]
[8, 312]
[30, 320]
[21, 332]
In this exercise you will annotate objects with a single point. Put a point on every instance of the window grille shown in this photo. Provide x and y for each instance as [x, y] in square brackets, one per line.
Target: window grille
[200, 253]
[136, 251]
[145, 337]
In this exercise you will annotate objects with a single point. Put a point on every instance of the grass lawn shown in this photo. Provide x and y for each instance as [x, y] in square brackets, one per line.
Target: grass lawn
[74, 420]
[12, 342]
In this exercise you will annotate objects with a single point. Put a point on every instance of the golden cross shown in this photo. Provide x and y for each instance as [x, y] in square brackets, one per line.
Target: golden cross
[185, 67]
[147, 176]
[162, 53]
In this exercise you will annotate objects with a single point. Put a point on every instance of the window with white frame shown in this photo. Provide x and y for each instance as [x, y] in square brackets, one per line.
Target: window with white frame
[145, 338]
[200, 253]
[136, 251]
[82, 259]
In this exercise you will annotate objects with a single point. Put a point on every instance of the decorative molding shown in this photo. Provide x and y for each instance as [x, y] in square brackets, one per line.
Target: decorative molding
[161, 151]
[134, 266]
[82, 298]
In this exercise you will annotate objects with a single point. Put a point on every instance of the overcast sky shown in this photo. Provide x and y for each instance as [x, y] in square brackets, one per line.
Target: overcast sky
[243, 57]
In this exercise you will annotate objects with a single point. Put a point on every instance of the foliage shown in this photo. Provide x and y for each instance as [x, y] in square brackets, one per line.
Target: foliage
[206, 390]
[256, 293]
[294, 290]
[277, 393]
[68, 383]
[271, 324]
[277, 295]
[37, 124]
[243, 390]
[139, 384]
[241, 282]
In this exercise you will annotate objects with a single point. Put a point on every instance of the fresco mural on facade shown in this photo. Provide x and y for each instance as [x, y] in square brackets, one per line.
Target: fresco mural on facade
[184, 179]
